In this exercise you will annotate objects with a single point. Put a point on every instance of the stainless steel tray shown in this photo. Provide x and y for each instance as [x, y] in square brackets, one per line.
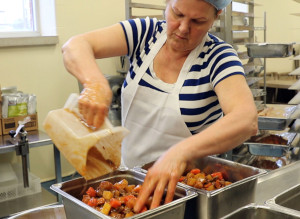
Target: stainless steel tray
[269, 50]
[72, 191]
[287, 201]
[254, 211]
[217, 203]
[273, 150]
[279, 123]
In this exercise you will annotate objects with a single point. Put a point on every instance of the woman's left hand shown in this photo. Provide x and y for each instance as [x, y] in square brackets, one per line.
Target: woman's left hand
[165, 173]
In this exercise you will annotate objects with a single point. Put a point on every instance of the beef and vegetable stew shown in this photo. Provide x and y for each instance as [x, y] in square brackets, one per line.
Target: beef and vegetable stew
[200, 180]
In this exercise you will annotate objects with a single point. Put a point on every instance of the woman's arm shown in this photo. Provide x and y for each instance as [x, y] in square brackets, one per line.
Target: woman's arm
[79, 54]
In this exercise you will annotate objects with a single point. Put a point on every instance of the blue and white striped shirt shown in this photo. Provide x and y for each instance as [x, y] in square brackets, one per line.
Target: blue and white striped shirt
[198, 101]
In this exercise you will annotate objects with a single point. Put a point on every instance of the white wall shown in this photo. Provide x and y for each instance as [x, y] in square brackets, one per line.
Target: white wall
[40, 69]
[282, 27]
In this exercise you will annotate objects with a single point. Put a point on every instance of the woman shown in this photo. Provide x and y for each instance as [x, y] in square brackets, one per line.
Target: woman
[180, 83]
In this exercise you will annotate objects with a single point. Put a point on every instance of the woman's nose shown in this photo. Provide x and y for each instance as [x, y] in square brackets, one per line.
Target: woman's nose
[184, 26]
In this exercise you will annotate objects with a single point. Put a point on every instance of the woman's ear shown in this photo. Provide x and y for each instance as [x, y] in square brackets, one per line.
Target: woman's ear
[219, 12]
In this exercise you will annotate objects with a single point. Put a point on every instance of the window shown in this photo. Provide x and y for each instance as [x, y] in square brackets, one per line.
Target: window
[27, 22]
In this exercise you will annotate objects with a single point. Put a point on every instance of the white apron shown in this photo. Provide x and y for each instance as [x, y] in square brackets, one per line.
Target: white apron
[152, 117]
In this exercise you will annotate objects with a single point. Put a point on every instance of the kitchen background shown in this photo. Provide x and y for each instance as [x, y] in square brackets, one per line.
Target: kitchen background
[40, 69]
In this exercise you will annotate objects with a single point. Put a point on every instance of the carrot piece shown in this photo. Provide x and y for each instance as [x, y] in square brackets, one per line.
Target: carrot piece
[91, 192]
[114, 203]
[195, 171]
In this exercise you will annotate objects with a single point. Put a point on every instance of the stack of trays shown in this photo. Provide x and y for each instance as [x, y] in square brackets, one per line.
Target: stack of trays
[267, 147]
[220, 202]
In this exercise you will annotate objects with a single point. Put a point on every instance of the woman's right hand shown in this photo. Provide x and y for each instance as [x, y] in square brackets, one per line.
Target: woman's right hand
[94, 103]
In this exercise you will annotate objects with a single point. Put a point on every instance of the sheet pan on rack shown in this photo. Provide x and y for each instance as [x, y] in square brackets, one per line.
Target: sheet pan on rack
[278, 145]
[277, 116]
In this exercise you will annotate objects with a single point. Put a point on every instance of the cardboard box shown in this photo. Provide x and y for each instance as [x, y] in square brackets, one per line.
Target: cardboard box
[12, 123]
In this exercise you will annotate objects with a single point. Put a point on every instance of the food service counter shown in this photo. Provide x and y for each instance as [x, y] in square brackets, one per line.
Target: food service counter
[277, 181]
[268, 186]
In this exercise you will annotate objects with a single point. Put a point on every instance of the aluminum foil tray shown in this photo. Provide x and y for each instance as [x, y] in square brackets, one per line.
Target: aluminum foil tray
[287, 201]
[258, 212]
[217, 203]
[273, 150]
[278, 122]
[73, 190]
[269, 50]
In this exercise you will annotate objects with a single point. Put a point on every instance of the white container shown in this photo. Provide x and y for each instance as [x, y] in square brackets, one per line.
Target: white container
[11, 182]
[8, 182]
[91, 152]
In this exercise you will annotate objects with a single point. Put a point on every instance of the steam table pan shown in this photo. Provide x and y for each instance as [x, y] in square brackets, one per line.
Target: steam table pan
[269, 50]
[217, 203]
[73, 190]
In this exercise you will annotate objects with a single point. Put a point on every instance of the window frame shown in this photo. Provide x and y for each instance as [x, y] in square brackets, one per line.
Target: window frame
[45, 33]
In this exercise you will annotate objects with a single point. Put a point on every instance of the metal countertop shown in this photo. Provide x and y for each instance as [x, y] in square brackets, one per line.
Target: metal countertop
[277, 181]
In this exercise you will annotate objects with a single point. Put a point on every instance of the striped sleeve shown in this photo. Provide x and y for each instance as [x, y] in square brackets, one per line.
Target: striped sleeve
[138, 33]
[225, 63]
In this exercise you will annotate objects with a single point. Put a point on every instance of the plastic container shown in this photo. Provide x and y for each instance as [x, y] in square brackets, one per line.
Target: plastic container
[8, 182]
[11, 182]
[91, 152]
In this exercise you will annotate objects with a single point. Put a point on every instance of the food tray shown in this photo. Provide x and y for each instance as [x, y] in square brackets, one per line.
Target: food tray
[73, 190]
[254, 211]
[227, 199]
[269, 50]
[287, 200]
[273, 150]
[278, 122]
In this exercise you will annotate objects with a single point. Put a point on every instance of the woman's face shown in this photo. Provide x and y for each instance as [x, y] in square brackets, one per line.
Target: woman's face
[188, 22]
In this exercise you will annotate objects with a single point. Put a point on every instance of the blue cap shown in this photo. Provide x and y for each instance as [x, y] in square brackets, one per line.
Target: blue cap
[219, 4]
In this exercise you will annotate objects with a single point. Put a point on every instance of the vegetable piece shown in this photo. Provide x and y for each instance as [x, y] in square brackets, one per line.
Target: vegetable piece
[210, 188]
[91, 192]
[93, 202]
[129, 214]
[137, 188]
[106, 208]
[128, 197]
[191, 181]
[131, 202]
[181, 179]
[114, 203]
[217, 174]
[195, 171]
[121, 185]
[129, 188]
[107, 195]
[106, 185]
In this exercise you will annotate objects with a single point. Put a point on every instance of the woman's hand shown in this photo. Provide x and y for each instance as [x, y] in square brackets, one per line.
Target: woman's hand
[165, 173]
[94, 103]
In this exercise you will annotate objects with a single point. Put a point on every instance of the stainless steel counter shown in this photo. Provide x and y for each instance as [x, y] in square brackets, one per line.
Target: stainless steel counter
[277, 181]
